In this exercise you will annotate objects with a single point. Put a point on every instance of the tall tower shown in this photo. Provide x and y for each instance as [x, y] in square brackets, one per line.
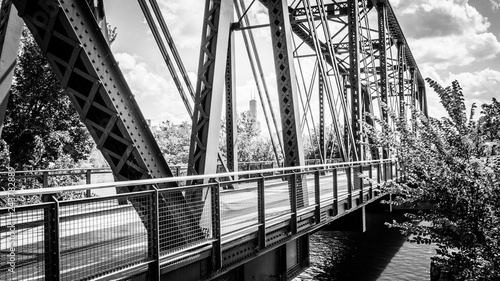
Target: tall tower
[253, 108]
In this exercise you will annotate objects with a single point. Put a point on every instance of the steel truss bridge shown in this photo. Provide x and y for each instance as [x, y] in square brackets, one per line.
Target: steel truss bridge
[340, 63]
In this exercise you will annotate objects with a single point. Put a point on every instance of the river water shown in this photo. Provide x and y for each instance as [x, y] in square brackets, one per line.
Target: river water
[378, 254]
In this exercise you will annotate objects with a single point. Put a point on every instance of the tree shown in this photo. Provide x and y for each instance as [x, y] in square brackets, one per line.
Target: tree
[174, 141]
[41, 125]
[490, 122]
[444, 168]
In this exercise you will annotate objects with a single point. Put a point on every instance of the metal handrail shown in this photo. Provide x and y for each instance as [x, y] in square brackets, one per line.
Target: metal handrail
[53, 190]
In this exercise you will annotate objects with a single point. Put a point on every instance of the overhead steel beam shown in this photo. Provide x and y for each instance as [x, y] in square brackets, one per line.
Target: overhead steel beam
[333, 10]
[11, 27]
[210, 89]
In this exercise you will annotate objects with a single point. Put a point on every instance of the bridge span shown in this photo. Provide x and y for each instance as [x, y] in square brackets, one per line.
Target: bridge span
[255, 228]
[235, 225]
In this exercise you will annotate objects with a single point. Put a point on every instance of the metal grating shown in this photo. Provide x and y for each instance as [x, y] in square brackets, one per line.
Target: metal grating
[238, 207]
[25, 228]
[101, 236]
[184, 224]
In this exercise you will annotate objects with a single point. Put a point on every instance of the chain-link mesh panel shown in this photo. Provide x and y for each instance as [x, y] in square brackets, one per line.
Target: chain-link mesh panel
[22, 243]
[101, 236]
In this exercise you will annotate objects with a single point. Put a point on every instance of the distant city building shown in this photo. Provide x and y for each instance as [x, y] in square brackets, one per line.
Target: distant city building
[253, 108]
[253, 112]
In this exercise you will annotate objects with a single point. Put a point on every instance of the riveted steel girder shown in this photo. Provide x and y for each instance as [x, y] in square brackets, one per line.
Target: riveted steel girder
[323, 148]
[231, 114]
[78, 53]
[210, 88]
[354, 76]
[11, 27]
[287, 93]
[81, 58]
[382, 49]
[401, 82]
[287, 88]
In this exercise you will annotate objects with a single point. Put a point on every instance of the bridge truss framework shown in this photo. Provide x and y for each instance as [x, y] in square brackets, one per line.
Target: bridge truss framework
[361, 62]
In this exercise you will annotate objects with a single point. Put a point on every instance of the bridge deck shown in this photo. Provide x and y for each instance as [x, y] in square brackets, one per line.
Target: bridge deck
[100, 235]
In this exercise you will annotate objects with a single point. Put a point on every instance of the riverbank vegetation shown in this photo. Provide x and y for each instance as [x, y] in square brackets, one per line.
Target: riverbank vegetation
[449, 164]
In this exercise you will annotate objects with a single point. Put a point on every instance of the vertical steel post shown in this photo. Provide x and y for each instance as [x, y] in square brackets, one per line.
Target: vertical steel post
[401, 82]
[45, 179]
[293, 202]
[287, 89]
[231, 113]
[216, 228]
[323, 148]
[354, 77]
[52, 242]
[370, 174]
[335, 191]
[209, 90]
[382, 17]
[348, 173]
[261, 208]
[317, 199]
[413, 96]
[88, 180]
[154, 236]
[11, 26]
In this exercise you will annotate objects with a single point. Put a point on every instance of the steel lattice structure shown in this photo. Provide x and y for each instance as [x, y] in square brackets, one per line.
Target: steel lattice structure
[361, 61]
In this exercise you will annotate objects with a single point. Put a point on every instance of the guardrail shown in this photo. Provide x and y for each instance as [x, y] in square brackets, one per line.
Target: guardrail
[48, 177]
[94, 237]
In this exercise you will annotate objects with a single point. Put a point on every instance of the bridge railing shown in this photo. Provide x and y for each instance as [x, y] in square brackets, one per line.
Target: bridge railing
[93, 237]
[74, 176]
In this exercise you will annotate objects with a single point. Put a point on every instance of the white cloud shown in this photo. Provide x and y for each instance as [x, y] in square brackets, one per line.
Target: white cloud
[153, 92]
[478, 87]
[185, 19]
[495, 4]
[447, 33]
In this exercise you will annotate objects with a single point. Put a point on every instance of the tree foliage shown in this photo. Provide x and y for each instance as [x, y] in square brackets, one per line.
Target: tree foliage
[41, 125]
[489, 123]
[174, 141]
[445, 168]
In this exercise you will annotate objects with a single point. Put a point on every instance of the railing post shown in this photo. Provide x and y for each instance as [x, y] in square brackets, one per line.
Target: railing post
[154, 267]
[392, 170]
[358, 182]
[216, 228]
[317, 209]
[261, 207]
[88, 180]
[370, 174]
[348, 173]
[293, 201]
[45, 179]
[51, 236]
[335, 191]
[379, 172]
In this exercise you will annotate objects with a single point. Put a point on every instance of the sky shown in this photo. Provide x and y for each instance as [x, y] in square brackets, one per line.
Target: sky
[450, 40]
